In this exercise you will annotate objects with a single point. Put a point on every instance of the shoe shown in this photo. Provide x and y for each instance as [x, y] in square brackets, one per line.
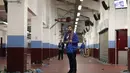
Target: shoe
[74, 72]
[69, 71]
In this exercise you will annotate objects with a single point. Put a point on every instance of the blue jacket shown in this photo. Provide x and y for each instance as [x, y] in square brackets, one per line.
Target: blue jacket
[71, 47]
[82, 46]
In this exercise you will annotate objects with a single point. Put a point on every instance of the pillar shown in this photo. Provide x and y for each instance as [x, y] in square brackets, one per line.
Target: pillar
[128, 22]
[37, 35]
[17, 36]
[111, 34]
[46, 43]
[3, 42]
[4, 45]
[96, 42]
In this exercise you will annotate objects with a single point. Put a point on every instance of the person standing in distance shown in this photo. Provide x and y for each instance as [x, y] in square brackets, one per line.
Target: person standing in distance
[71, 40]
[61, 50]
[82, 49]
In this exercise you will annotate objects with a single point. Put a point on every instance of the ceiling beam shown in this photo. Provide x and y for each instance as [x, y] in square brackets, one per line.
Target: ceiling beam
[72, 11]
[83, 6]
[67, 11]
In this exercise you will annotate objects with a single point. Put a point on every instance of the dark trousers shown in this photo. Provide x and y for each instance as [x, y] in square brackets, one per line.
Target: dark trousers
[60, 55]
[72, 61]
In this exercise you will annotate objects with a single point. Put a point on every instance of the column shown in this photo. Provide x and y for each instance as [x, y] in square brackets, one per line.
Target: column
[17, 36]
[51, 8]
[96, 50]
[46, 43]
[4, 43]
[111, 34]
[4, 39]
[128, 22]
[37, 35]
[46, 35]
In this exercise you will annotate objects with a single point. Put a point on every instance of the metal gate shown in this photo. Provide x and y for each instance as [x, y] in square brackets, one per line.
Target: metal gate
[103, 40]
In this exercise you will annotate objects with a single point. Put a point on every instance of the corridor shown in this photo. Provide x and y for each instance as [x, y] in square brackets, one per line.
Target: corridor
[33, 32]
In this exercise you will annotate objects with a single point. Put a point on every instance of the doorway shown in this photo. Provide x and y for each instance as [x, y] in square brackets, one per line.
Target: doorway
[121, 45]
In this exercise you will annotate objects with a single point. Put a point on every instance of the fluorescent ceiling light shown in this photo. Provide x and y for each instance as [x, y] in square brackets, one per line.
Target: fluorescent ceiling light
[81, 0]
[2, 22]
[75, 26]
[77, 19]
[75, 30]
[76, 22]
[79, 7]
[78, 14]
[5, 23]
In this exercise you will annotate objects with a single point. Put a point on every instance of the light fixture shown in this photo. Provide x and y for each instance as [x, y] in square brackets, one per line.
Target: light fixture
[77, 19]
[79, 7]
[76, 22]
[5, 23]
[2, 22]
[81, 0]
[78, 14]
[75, 30]
[75, 26]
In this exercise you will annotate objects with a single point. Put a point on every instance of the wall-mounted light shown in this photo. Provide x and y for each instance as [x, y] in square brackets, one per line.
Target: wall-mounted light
[78, 14]
[79, 7]
[77, 19]
[76, 22]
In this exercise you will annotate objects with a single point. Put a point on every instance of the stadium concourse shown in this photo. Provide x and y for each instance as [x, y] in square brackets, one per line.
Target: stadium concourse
[30, 32]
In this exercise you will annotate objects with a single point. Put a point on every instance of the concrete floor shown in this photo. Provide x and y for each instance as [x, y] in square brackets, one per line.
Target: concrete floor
[85, 65]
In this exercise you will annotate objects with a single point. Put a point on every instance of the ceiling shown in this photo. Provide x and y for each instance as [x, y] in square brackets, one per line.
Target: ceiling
[3, 14]
[65, 8]
[69, 8]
